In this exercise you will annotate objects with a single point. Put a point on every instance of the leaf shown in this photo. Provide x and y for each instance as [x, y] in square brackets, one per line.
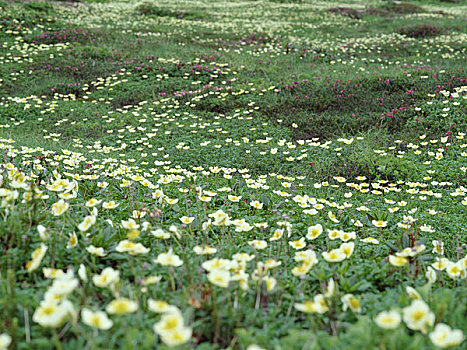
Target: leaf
[391, 246]
[405, 240]
[265, 200]
[364, 285]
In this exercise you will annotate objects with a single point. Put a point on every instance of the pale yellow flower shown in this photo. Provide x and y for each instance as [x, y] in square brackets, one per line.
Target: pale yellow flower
[258, 244]
[398, 260]
[349, 301]
[335, 255]
[98, 251]
[219, 277]
[37, 257]
[417, 316]
[121, 306]
[444, 337]
[388, 319]
[5, 341]
[96, 319]
[314, 231]
[169, 259]
[60, 207]
[107, 277]
[379, 223]
[110, 205]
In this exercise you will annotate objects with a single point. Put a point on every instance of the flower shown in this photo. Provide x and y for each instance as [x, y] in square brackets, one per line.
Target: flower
[171, 328]
[221, 264]
[187, 220]
[258, 244]
[93, 202]
[417, 316]
[82, 273]
[413, 293]
[411, 251]
[318, 305]
[53, 314]
[110, 205]
[220, 218]
[160, 233]
[256, 205]
[388, 319]
[43, 234]
[438, 247]
[444, 337]
[347, 236]
[72, 241]
[219, 277]
[270, 282]
[151, 280]
[204, 250]
[456, 270]
[335, 255]
[277, 234]
[37, 256]
[398, 260]
[177, 337]
[254, 347]
[441, 263]
[160, 306]
[5, 341]
[96, 319]
[379, 223]
[60, 207]
[107, 277]
[370, 240]
[98, 251]
[307, 306]
[349, 301]
[347, 248]
[298, 244]
[131, 247]
[63, 285]
[168, 259]
[330, 288]
[334, 234]
[430, 275]
[87, 223]
[130, 224]
[314, 231]
[332, 217]
[234, 198]
[321, 305]
[121, 306]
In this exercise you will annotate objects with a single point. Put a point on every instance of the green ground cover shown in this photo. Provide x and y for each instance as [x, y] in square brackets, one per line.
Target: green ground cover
[233, 174]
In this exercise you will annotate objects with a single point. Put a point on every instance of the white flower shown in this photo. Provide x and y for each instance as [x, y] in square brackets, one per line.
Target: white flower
[108, 277]
[96, 319]
[53, 314]
[418, 316]
[219, 277]
[87, 223]
[82, 273]
[388, 319]
[443, 336]
[5, 341]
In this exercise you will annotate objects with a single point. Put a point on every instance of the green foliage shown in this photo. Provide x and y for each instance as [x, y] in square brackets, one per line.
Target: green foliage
[279, 114]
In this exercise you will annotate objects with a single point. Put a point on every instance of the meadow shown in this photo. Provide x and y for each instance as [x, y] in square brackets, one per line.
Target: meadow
[262, 174]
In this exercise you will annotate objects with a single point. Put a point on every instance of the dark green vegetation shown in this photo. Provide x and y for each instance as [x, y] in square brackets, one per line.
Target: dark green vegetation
[170, 108]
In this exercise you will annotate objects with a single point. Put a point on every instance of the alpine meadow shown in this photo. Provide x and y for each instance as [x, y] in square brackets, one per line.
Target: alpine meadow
[233, 174]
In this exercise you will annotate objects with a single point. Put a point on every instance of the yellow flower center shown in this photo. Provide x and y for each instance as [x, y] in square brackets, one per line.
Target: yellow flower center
[418, 315]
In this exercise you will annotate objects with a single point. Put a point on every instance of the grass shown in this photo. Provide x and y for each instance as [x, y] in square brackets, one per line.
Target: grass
[143, 141]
